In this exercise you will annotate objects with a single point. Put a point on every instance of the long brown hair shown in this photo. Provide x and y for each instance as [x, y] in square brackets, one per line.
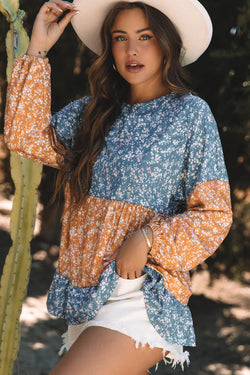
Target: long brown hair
[109, 90]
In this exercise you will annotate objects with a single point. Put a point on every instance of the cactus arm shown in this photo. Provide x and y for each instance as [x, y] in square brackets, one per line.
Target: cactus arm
[9, 9]
[26, 176]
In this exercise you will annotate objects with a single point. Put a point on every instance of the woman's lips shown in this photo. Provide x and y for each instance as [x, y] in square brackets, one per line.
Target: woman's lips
[134, 67]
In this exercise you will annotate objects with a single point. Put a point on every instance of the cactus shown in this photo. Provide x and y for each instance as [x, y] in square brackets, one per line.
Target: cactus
[26, 176]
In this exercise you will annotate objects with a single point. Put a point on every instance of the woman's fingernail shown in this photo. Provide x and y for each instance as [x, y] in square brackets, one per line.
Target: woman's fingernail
[70, 4]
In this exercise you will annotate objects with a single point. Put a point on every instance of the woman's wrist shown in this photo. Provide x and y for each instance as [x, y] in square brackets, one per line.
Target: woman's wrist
[37, 52]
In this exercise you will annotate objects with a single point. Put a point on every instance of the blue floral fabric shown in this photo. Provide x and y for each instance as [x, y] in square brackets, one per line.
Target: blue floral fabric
[171, 319]
[158, 151]
[67, 121]
[162, 164]
[154, 155]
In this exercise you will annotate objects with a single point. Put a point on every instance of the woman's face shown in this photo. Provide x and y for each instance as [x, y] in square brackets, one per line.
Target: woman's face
[136, 51]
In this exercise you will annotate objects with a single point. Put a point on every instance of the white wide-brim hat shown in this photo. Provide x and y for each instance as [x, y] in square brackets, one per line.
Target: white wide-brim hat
[189, 17]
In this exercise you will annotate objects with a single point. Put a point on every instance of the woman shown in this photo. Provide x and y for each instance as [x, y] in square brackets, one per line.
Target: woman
[146, 189]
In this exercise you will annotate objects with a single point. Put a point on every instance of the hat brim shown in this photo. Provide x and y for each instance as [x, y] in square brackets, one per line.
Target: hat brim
[189, 17]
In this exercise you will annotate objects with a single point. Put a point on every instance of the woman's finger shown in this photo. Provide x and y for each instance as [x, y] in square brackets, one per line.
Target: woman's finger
[62, 5]
[111, 256]
[123, 275]
[138, 273]
[53, 8]
[131, 275]
[66, 19]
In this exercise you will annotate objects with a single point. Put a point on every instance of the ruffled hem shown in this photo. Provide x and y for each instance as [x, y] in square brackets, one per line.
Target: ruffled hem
[171, 319]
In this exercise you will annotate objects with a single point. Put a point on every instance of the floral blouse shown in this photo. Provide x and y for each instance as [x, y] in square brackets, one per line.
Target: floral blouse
[162, 165]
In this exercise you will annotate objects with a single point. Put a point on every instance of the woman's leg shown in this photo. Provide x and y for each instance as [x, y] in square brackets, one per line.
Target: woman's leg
[102, 351]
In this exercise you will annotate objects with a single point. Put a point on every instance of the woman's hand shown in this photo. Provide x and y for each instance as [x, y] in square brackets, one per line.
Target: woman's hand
[46, 29]
[131, 256]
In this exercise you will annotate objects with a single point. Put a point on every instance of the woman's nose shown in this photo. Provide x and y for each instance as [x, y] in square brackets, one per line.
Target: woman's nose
[132, 48]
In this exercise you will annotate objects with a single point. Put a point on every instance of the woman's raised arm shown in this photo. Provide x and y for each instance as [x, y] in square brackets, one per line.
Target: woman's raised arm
[28, 104]
[47, 29]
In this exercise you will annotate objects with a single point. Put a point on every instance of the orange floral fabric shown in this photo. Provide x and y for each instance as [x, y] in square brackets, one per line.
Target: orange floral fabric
[180, 242]
[100, 226]
[29, 104]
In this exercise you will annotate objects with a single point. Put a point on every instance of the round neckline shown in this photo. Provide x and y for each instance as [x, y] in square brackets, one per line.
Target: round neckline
[150, 102]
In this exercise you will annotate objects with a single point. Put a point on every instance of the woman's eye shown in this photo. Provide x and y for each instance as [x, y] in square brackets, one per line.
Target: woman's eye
[145, 37]
[120, 38]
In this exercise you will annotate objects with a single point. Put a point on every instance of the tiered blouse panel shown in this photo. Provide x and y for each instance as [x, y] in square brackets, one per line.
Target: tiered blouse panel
[162, 165]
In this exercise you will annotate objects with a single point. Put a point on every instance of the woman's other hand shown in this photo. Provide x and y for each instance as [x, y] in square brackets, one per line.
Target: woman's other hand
[131, 256]
[47, 29]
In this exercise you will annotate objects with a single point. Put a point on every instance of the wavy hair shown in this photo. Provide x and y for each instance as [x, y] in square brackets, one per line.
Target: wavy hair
[109, 90]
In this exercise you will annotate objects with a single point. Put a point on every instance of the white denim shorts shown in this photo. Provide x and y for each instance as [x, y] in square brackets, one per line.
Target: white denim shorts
[125, 312]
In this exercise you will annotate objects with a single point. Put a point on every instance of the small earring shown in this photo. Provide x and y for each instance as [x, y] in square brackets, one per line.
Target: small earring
[114, 67]
[164, 61]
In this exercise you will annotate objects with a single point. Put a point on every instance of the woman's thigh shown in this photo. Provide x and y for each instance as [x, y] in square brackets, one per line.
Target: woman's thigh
[102, 351]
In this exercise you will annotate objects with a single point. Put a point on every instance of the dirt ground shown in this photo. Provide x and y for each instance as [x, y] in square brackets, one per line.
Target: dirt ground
[220, 308]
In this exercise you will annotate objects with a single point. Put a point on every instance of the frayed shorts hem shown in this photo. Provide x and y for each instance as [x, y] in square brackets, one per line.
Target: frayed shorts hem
[125, 312]
[170, 354]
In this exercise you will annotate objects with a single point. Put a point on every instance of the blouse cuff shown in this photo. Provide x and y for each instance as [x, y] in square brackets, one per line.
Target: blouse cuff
[29, 58]
[156, 225]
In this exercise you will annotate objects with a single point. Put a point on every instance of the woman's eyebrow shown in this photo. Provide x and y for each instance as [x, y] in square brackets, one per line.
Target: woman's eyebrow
[145, 29]
[118, 31]
[137, 32]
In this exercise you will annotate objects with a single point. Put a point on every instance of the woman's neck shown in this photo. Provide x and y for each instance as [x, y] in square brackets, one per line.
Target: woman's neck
[137, 95]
